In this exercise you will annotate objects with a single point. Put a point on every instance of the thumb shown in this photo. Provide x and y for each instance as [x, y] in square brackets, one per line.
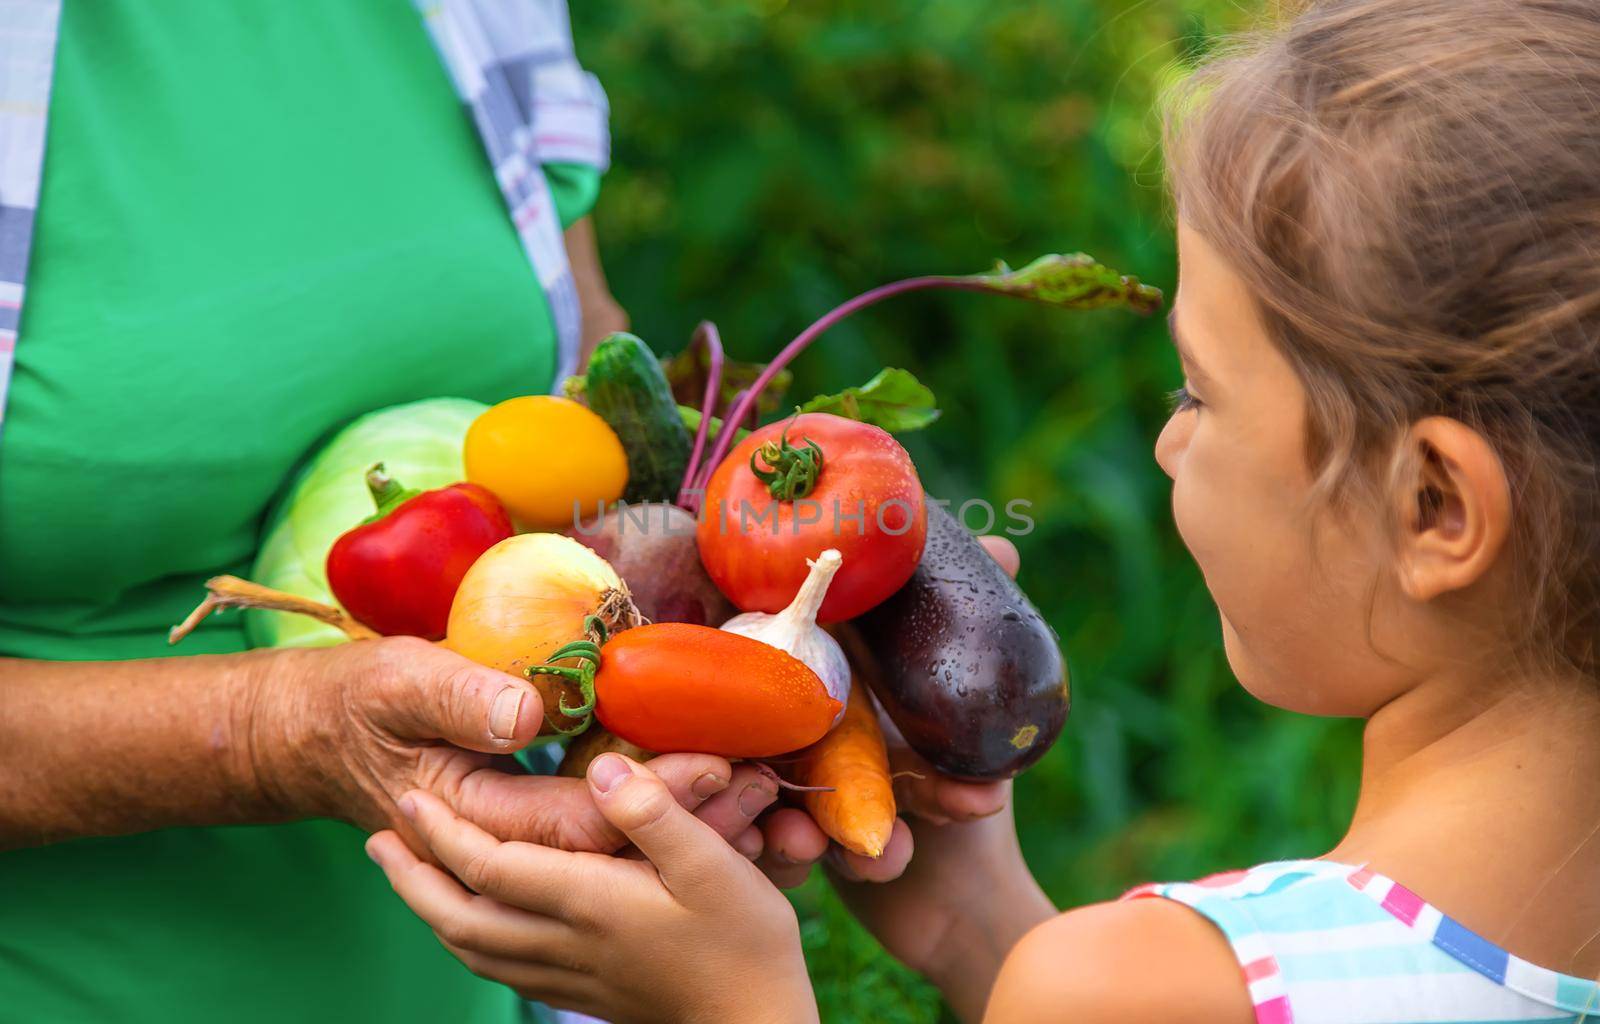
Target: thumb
[1003, 551]
[690, 858]
[429, 693]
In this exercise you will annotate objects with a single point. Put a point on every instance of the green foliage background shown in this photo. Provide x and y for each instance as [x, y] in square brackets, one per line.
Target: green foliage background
[773, 159]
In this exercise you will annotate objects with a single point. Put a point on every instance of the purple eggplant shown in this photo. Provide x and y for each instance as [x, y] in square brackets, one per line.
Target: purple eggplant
[968, 669]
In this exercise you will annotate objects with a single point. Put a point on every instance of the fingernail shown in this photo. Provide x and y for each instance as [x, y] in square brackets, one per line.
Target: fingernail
[408, 806]
[608, 771]
[503, 716]
[708, 785]
[372, 854]
[764, 795]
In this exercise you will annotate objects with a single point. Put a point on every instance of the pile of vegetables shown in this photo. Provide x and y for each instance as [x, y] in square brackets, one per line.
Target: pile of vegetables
[662, 563]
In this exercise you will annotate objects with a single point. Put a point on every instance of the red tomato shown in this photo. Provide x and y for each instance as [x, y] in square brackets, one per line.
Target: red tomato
[673, 687]
[863, 498]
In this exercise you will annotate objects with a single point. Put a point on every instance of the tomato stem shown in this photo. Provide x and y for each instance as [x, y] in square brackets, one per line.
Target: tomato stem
[792, 472]
[583, 679]
[586, 651]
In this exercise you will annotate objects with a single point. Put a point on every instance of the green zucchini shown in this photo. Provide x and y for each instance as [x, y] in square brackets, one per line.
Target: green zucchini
[626, 388]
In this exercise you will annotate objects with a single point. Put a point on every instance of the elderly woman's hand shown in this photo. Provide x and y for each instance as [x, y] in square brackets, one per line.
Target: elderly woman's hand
[343, 732]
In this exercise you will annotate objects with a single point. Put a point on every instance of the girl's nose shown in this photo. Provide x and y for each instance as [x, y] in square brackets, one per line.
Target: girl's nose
[1173, 441]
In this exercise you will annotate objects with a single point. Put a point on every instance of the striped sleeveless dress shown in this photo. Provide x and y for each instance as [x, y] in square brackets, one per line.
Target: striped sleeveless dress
[1326, 943]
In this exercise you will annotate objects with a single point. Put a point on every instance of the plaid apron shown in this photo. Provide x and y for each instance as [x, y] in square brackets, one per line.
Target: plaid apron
[511, 61]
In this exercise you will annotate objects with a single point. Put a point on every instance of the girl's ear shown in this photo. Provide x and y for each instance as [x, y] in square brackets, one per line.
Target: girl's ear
[1455, 511]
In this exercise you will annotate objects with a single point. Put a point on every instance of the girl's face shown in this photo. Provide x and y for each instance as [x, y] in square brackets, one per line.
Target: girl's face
[1303, 618]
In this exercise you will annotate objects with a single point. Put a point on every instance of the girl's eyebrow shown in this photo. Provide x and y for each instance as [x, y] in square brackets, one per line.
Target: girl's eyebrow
[1191, 366]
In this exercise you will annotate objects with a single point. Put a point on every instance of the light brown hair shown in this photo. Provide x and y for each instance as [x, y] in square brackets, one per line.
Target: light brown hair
[1412, 190]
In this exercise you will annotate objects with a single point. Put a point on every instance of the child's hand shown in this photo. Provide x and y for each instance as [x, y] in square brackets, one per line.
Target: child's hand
[954, 909]
[963, 901]
[693, 934]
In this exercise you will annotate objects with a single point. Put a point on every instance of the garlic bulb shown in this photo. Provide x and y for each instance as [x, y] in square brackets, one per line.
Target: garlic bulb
[795, 629]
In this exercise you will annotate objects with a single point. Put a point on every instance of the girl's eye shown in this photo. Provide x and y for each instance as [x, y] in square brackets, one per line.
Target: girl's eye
[1182, 400]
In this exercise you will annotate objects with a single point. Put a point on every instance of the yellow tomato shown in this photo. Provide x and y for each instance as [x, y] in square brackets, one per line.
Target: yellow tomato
[539, 455]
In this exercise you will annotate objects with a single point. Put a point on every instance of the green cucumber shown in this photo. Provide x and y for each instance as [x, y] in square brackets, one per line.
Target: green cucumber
[626, 388]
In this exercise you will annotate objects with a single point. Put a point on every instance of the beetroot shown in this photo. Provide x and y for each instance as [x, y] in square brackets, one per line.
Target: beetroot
[652, 547]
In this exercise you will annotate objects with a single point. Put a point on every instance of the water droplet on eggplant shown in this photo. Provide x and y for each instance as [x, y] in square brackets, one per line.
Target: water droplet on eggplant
[963, 676]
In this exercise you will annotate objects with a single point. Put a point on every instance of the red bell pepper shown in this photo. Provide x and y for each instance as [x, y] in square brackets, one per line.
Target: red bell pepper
[398, 571]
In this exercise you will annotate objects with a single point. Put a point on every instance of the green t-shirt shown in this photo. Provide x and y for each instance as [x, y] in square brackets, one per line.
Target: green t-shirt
[259, 219]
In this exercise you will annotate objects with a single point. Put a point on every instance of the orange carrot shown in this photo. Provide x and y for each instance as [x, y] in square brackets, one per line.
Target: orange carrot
[859, 812]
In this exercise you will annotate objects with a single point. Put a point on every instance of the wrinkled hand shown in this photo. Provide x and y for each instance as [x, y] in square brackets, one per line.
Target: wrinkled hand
[694, 934]
[793, 842]
[344, 732]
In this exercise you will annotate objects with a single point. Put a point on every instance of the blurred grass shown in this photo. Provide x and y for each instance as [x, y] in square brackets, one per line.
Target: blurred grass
[773, 159]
